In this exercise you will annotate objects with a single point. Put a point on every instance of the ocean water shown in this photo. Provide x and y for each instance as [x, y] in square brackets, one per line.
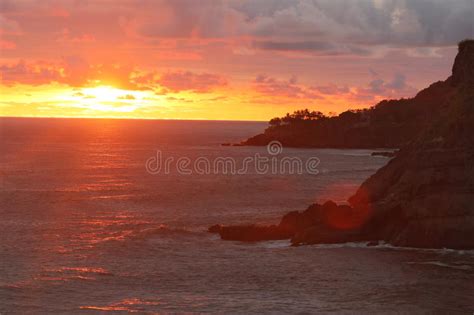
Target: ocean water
[86, 227]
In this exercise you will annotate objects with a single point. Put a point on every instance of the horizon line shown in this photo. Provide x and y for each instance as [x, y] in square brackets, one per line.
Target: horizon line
[130, 118]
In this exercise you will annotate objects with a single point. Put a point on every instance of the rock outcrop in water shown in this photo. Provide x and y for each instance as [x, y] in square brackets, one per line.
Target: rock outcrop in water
[424, 197]
[333, 223]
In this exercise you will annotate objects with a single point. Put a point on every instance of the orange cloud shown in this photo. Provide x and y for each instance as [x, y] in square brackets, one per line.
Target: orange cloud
[59, 12]
[76, 72]
[286, 88]
[5, 44]
[28, 74]
[189, 81]
[66, 36]
[73, 71]
[375, 90]
[285, 92]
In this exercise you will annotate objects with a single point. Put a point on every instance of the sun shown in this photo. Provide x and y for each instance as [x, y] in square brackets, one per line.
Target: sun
[107, 93]
[105, 99]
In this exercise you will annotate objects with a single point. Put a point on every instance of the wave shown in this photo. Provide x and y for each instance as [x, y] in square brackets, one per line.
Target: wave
[384, 245]
[276, 244]
[441, 264]
[432, 250]
[360, 170]
[60, 274]
[133, 305]
[115, 235]
[81, 270]
[73, 273]
[163, 230]
[343, 245]
[357, 154]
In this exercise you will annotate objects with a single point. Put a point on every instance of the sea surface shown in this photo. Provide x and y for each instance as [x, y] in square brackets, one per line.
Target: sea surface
[87, 227]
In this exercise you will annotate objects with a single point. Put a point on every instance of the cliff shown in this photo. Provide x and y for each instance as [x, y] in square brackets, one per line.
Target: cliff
[424, 197]
[388, 124]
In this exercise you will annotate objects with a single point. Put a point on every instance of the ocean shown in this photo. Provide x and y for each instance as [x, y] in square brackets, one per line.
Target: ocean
[94, 220]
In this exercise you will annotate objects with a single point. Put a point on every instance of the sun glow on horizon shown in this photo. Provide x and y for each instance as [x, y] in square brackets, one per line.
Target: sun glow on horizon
[106, 98]
[105, 92]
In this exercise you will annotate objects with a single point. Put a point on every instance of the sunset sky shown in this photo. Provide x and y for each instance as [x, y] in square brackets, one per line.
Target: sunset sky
[238, 60]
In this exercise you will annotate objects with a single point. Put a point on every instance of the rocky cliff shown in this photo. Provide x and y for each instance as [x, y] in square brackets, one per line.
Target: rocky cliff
[424, 197]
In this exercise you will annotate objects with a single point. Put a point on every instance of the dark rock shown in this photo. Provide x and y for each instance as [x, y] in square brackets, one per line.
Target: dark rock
[424, 197]
[214, 228]
[373, 243]
[253, 233]
[329, 222]
[463, 67]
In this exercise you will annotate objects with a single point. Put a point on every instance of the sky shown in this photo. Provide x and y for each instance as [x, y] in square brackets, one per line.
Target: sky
[227, 60]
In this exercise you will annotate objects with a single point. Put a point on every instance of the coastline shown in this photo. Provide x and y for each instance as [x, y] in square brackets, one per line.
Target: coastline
[422, 198]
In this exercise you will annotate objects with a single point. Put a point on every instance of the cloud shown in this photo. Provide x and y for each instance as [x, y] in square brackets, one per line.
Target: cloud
[178, 99]
[72, 70]
[396, 84]
[374, 90]
[284, 88]
[28, 74]
[315, 24]
[318, 27]
[127, 97]
[9, 26]
[78, 94]
[188, 81]
[331, 89]
[66, 36]
[323, 48]
[214, 99]
[82, 95]
[190, 19]
[5, 44]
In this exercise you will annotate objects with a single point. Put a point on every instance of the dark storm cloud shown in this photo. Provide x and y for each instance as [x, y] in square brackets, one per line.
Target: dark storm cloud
[377, 22]
[311, 46]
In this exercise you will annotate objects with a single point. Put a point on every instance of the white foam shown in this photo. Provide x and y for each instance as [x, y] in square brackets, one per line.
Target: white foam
[276, 244]
[383, 245]
[440, 264]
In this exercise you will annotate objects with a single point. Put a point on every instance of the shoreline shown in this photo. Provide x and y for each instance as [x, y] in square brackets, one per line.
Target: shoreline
[422, 198]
